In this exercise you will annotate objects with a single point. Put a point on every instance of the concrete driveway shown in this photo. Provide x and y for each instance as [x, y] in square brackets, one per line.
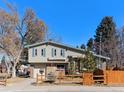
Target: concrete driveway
[26, 85]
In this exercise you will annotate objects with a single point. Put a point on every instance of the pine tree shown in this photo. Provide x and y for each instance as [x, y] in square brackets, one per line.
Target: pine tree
[90, 63]
[82, 46]
[71, 69]
[106, 34]
[90, 44]
[107, 30]
[77, 46]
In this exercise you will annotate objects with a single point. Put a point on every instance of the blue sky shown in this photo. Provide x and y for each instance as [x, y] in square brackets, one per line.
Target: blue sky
[75, 21]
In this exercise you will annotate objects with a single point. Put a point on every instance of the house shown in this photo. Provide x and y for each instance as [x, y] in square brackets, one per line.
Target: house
[50, 56]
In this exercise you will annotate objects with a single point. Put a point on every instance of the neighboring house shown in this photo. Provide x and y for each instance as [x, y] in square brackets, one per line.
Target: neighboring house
[51, 57]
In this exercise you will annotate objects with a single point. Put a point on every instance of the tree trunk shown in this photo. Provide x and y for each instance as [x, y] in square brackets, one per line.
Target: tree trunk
[15, 63]
[8, 70]
[13, 71]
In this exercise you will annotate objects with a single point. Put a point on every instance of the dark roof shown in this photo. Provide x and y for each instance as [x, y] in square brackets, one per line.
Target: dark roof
[56, 44]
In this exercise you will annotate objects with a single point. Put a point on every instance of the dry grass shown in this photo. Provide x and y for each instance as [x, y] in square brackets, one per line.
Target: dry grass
[70, 81]
[14, 80]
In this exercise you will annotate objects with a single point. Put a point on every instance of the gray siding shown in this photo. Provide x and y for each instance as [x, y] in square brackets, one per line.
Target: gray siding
[48, 54]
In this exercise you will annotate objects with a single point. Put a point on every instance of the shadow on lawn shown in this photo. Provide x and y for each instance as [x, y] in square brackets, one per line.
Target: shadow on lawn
[56, 84]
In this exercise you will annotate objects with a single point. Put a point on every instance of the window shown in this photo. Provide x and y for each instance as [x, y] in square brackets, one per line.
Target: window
[43, 52]
[35, 52]
[54, 52]
[62, 52]
[60, 67]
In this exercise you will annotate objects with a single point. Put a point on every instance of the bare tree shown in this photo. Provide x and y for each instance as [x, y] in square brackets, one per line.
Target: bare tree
[51, 36]
[120, 46]
[16, 32]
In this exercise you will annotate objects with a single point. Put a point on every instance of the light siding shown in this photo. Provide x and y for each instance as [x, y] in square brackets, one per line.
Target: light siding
[49, 49]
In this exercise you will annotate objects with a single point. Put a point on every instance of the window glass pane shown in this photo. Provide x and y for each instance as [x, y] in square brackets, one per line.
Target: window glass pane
[41, 52]
[60, 67]
[61, 52]
[35, 52]
[55, 52]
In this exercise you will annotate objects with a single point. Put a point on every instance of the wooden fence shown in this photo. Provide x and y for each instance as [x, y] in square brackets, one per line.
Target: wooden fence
[108, 78]
[114, 77]
[69, 79]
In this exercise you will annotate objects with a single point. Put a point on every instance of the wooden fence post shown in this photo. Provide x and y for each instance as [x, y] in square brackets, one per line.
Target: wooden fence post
[105, 77]
[60, 76]
[5, 80]
[39, 79]
[88, 78]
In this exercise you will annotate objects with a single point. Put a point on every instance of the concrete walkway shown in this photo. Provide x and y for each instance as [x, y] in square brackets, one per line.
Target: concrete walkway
[26, 86]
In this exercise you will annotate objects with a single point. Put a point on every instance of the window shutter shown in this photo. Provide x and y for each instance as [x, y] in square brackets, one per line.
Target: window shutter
[44, 52]
[32, 52]
[52, 52]
[63, 53]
